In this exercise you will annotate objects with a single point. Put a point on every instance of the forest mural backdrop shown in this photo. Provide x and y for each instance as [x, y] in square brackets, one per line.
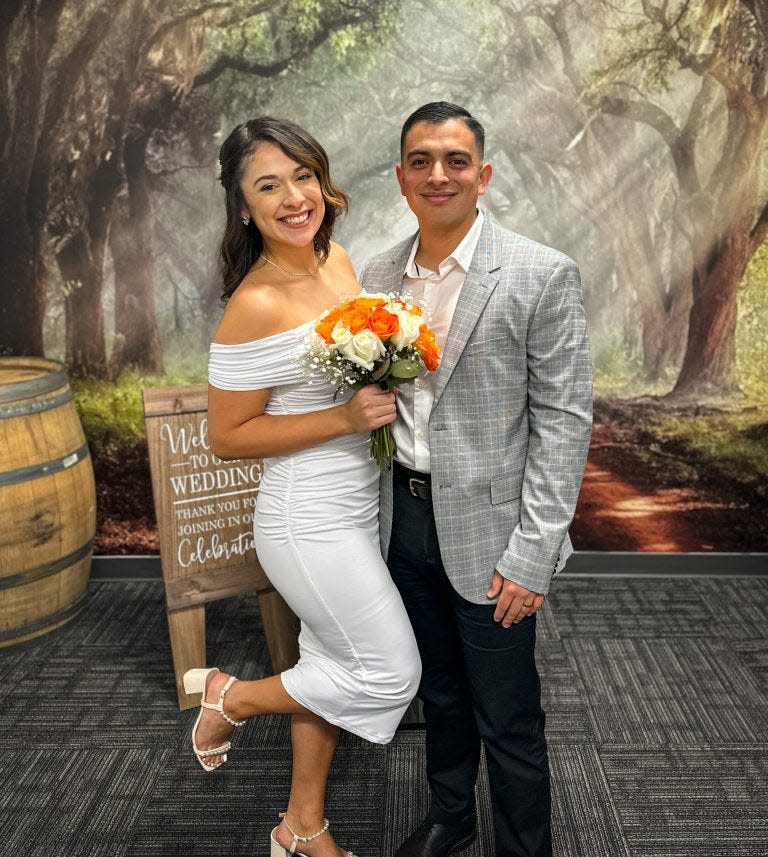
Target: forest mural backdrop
[630, 134]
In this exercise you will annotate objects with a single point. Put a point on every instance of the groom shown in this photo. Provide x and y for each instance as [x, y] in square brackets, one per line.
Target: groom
[490, 454]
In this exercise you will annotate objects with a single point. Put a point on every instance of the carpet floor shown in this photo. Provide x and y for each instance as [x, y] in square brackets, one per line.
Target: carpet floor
[656, 693]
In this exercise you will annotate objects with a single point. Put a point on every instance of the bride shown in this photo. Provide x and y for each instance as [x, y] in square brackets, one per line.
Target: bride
[316, 521]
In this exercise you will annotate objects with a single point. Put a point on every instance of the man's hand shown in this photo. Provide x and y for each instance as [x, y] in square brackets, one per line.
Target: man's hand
[515, 601]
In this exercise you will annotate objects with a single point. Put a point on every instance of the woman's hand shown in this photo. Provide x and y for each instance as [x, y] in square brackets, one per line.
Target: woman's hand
[370, 408]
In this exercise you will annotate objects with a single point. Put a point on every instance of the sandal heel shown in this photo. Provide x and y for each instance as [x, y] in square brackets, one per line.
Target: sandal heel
[277, 850]
[195, 680]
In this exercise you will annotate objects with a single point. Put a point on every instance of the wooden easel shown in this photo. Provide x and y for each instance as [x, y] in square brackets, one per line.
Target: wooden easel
[179, 458]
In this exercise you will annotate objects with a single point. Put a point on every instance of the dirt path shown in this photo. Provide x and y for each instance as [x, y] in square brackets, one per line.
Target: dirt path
[616, 512]
[634, 498]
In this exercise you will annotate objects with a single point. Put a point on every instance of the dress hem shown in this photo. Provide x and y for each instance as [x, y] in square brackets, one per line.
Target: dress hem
[334, 720]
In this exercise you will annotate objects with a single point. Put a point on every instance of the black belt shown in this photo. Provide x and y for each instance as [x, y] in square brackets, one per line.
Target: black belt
[419, 485]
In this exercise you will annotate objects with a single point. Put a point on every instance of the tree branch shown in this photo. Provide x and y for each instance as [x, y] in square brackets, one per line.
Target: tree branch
[273, 68]
[642, 111]
[760, 230]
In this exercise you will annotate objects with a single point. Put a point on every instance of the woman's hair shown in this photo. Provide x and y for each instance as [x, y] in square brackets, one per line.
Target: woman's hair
[241, 245]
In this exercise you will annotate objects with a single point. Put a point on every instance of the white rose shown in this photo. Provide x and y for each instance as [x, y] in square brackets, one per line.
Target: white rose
[363, 348]
[409, 329]
[341, 335]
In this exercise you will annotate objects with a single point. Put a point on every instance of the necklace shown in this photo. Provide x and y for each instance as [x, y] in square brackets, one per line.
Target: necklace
[289, 273]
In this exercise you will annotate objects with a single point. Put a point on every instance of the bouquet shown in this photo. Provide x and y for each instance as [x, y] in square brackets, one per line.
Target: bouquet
[372, 339]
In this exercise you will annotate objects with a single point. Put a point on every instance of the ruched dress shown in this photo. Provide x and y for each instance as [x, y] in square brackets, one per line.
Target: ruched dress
[317, 539]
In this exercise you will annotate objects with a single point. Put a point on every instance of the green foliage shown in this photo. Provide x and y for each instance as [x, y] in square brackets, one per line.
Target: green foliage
[618, 370]
[733, 443]
[752, 328]
[112, 412]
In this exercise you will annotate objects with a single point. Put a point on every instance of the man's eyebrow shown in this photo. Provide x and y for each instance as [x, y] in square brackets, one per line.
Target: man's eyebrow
[452, 154]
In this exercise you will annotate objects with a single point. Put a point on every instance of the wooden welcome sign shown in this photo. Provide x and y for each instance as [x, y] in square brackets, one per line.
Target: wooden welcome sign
[204, 509]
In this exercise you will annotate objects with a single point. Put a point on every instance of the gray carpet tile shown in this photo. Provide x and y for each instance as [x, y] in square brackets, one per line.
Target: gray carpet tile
[546, 627]
[629, 607]
[233, 810]
[67, 803]
[656, 693]
[691, 802]
[738, 606]
[753, 655]
[585, 820]
[562, 695]
[670, 693]
[66, 701]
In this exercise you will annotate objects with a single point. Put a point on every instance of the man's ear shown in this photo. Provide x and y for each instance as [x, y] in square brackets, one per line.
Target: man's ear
[399, 174]
[485, 176]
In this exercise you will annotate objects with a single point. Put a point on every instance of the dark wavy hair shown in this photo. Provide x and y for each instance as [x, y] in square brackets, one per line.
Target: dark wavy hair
[241, 245]
[437, 112]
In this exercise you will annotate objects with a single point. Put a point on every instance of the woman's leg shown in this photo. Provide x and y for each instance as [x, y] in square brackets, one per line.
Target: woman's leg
[313, 741]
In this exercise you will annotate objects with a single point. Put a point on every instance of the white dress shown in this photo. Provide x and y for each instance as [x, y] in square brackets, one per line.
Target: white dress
[317, 538]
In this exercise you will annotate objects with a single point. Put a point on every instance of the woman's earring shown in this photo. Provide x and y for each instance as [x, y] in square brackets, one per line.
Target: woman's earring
[246, 221]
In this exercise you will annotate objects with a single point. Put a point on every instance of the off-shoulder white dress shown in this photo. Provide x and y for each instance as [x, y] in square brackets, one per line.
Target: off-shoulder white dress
[316, 536]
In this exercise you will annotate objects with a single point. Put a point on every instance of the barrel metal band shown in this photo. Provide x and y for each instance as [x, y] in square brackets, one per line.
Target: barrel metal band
[47, 569]
[35, 387]
[37, 406]
[46, 621]
[37, 471]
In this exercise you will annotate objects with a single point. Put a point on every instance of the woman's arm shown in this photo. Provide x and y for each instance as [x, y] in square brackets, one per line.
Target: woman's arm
[239, 428]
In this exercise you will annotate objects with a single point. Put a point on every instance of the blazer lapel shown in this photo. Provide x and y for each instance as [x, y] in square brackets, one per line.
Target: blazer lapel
[393, 278]
[475, 292]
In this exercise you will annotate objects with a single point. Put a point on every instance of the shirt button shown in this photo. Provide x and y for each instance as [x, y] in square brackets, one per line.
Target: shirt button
[420, 435]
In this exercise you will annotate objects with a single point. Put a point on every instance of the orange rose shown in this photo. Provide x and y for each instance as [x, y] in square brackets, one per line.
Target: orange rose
[370, 303]
[384, 324]
[326, 325]
[356, 317]
[428, 348]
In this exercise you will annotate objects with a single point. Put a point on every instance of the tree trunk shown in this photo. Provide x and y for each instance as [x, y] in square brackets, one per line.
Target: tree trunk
[709, 364]
[723, 245]
[22, 203]
[81, 262]
[22, 306]
[137, 341]
[82, 269]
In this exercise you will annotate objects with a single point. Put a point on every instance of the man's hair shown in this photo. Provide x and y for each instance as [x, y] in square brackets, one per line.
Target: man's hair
[437, 112]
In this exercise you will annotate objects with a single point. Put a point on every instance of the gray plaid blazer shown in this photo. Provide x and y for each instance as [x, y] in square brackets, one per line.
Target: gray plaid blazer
[509, 429]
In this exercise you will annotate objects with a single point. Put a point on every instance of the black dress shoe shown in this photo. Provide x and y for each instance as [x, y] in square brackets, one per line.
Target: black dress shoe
[431, 839]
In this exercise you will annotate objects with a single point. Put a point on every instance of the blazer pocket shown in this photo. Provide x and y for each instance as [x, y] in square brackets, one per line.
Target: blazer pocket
[487, 346]
[505, 488]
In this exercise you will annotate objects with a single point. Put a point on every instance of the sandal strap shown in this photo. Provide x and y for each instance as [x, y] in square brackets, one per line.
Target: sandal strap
[303, 839]
[217, 751]
[219, 706]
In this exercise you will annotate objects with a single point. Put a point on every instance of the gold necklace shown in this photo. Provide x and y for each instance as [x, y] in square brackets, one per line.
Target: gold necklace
[289, 273]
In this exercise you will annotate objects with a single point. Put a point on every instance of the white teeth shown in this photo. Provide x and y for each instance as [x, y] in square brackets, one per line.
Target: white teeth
[301, 218]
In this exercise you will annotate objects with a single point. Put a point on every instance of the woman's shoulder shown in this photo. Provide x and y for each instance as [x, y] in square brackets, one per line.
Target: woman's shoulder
[338, 256]
[253, 312]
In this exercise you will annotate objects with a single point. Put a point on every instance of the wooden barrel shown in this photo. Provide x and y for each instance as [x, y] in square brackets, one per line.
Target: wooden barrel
[47, 500]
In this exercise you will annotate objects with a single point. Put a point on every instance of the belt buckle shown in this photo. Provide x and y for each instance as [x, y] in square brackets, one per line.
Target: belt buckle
[412, 483]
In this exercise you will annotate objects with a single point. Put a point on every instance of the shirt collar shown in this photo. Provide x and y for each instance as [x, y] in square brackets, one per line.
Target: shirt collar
[461, 256]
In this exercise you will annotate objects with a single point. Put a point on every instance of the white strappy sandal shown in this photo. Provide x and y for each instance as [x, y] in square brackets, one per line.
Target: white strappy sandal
[277, 849]
[196, 681]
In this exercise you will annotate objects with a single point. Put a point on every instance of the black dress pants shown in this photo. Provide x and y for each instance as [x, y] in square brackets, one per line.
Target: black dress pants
[479, 683]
